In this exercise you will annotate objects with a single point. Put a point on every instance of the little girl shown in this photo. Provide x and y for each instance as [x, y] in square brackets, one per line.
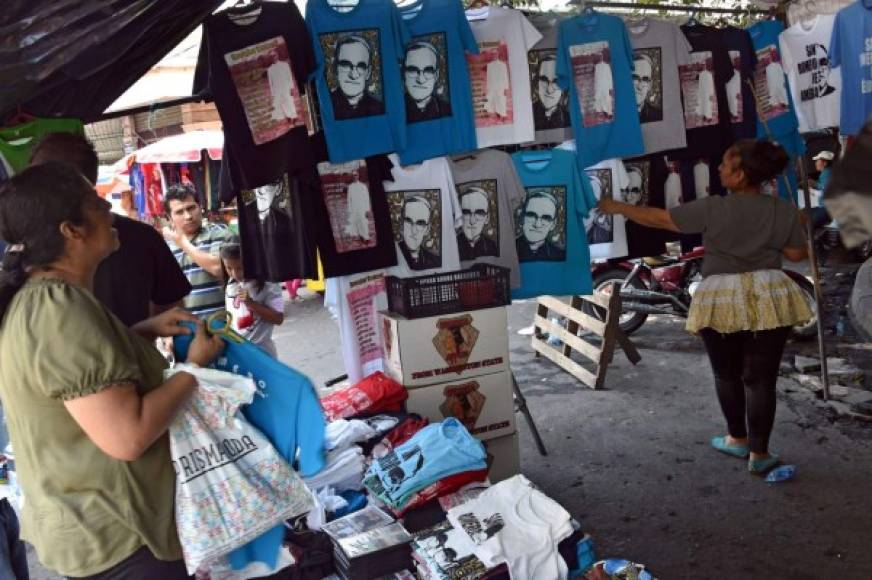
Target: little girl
[256, 306]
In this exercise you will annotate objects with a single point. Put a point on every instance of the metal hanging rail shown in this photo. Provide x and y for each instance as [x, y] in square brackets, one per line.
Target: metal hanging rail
[671, 7]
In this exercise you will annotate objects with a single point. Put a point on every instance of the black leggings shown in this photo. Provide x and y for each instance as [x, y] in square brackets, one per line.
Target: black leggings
[745, 366]
[142, 565]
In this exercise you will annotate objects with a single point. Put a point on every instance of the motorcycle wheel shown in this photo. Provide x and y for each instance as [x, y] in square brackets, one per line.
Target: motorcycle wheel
[629, 321]
[808, 330]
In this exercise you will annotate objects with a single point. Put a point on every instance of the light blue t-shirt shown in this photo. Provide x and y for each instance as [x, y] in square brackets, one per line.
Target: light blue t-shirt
[595, 63]
[360, 92]
[851, 49]
[436, 84]
[549, 231]
[433, 453]
[770, 82]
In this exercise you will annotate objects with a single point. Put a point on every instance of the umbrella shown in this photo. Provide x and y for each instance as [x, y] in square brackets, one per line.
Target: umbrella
[184, 148]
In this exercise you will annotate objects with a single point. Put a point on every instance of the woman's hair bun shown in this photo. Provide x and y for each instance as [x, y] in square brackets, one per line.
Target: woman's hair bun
[760, 160]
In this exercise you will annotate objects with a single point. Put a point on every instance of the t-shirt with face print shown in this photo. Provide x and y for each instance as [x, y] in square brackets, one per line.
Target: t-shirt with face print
[743, 109]
[550, 100]
[646, 187]
[776, 105]
[425, 213]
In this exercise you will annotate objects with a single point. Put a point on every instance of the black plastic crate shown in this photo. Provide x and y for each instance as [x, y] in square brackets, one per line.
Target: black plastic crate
[482, 286]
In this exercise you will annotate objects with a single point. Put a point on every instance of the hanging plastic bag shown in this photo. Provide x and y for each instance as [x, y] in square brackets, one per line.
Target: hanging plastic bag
[231, 484]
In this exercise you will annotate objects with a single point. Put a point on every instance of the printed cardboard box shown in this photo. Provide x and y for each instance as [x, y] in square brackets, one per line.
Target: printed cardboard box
[483, 404]
[503, 457]
[453, 347]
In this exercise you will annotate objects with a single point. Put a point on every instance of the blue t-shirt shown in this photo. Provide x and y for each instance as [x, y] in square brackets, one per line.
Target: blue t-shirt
[851, 49]
[824, 178]
[287, 411]
[776, 105]
[436, 85]
[595, 63]
[433, 453]
[360, 91]
[549, 232]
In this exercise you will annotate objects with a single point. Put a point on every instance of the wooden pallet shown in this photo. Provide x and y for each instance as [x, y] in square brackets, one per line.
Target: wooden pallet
[577, 321]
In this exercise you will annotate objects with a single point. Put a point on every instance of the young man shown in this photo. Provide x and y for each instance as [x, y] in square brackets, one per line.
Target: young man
[195, 246]
[139, 280]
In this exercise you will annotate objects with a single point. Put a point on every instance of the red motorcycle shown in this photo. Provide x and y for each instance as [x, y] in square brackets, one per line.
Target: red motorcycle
[665, 285]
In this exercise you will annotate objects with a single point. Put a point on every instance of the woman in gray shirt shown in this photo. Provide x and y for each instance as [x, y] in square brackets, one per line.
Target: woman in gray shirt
[746, 305]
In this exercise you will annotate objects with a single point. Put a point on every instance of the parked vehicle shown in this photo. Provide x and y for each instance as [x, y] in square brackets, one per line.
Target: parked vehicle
[665, 285]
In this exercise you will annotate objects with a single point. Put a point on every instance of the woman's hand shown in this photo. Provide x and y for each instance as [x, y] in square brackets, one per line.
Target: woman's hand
[165, 324]
[205, 347]
[608, 206]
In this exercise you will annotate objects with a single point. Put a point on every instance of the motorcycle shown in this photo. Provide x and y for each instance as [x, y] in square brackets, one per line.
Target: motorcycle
[665, 285]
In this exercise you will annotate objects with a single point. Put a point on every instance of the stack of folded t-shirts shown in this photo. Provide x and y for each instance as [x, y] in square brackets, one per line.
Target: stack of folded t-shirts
[401, 433]
[375, 394]
[343, 471]
[342, 434]
[436, 452]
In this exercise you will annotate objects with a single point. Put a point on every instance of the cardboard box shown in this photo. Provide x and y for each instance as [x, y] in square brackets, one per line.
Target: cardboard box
[454, 347]
[483, 404]
[504, 457]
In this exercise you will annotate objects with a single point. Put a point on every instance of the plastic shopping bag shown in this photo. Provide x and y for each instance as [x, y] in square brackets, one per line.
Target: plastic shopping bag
[231, 484]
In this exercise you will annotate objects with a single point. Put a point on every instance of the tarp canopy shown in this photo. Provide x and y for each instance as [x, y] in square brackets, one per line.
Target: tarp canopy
[74, 58]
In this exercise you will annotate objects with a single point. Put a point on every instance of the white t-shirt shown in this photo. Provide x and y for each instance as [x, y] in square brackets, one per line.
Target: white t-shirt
[705, 100]
[355, 301]
[514, 523]
[248, 324]
[701, 179]
[425, 213]
[607, 235]
[504, 35]
[815, 87]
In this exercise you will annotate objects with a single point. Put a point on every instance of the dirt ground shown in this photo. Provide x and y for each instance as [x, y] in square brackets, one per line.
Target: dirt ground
[632, 462]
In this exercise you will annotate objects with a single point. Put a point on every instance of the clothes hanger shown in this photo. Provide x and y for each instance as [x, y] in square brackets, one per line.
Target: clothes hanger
[478, 10]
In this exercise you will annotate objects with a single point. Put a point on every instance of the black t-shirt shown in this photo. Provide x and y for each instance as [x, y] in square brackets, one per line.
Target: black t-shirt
[353, 226]
[744, 59]
[274, 226]
[257, 75]
[143, 270]
[709, 70]
[651, 172]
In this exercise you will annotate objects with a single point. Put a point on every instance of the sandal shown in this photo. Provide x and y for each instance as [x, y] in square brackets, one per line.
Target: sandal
[762, 466]
[740, 451]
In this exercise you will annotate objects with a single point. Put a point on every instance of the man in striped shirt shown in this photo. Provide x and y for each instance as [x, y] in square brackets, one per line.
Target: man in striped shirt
[195, 245]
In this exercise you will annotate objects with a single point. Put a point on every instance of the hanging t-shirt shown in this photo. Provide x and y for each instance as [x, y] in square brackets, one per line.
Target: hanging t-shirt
[500, 84]
[851, 51]
[16, 143]
[659, 48]
[153, 181]
[488, 189]
[425, 213]
[355, 301]
[549, 225]
[703, 88]
[815, 86]
[775, 106]
[607, 234]
[550, 101]
[255, 61]
[595, 63]
[274, 226]
[740, 98]
[353, 222]
[646, 187]
[359, 51]
[436, 81]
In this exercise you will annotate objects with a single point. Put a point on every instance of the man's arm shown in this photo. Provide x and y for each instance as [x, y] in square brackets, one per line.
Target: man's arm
[207, 261]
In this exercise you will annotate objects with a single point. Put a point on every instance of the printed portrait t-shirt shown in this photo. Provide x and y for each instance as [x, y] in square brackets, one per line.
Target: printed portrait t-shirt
[358, 52]
[851, 52]
[425, 213]
[740, 98]
[815, 86]
[353, 227]
[500, 85]
[550, 101]
[256, 71]
[770, 82]
[549, 224]
[436, 83]
[488, 189]
[659, 48]
[607, 234]
[594, 62]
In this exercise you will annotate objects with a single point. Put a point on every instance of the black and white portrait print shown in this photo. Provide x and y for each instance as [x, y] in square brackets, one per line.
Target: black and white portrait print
[425, 78]
[648, 83]
[600, 226]
[636, 192]
[417, 222]
[270, 200]
[479, 233]
[541, 225]
[480, 530]
[550, 109]
[353, 73]
[814, 73]
[396, 469]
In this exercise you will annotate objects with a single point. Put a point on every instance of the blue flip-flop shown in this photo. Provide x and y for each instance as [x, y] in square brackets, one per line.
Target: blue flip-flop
[740, 451]
[763, 466]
